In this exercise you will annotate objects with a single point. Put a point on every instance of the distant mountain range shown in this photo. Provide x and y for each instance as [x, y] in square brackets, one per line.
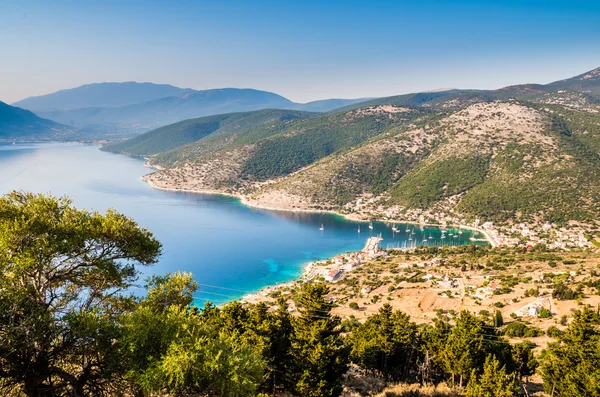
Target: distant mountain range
[143, 106]
[113, 110]
[519, 152]
[21, 124]
[99, 95]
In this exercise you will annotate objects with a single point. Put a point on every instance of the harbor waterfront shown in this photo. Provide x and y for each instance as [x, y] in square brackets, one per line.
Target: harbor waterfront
[230, 248]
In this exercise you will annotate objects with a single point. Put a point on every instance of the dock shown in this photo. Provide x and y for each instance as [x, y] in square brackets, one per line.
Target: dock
[372, 244]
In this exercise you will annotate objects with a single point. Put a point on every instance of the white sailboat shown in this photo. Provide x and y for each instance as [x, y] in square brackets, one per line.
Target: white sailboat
[358, 229]
[321, 228]
[371, 225]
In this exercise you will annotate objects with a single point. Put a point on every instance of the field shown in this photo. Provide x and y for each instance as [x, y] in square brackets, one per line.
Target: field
[429, 284]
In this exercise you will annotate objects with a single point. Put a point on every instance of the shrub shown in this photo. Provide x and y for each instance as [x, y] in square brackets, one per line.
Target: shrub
[544, 313]
[553, 332]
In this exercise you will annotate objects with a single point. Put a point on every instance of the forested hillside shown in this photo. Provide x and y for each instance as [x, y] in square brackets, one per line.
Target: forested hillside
[223, 126]
[253, 158]
[494, 160]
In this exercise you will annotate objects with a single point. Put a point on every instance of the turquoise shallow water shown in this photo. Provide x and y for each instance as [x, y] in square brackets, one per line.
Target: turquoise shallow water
[224, 243]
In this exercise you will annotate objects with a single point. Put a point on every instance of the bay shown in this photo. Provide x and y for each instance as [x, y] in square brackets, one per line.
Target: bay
[230, 248]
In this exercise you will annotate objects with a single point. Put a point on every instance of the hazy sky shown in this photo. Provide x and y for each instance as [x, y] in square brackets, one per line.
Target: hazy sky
[304, 50]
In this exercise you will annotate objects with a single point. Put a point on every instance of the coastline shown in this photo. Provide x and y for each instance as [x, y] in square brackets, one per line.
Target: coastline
[350, 217]
[256, 295]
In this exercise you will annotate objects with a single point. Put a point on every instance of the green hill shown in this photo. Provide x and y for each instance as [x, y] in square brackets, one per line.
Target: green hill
[173, 136]
[264, 153]
[494, 160]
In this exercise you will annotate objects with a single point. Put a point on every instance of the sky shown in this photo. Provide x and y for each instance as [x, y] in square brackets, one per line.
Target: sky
[304, 50]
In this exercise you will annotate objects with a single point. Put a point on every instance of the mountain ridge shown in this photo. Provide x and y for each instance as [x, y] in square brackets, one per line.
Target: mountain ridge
[21, 124]
[151, 106]
[106, 94]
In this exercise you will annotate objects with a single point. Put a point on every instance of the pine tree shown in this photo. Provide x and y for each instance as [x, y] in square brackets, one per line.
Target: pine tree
[571, 367]
[525, 363]
[386, 343]
[494, 382]
[319, 356]
[275, 330]
[464, 347]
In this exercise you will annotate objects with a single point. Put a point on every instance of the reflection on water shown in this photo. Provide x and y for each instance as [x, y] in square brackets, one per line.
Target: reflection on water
[224, 243]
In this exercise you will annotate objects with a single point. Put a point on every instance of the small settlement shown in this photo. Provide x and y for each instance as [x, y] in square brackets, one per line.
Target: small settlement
[523, 234]
[331, 270]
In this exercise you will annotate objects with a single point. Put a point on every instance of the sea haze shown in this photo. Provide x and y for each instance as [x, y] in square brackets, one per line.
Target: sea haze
[223, 243]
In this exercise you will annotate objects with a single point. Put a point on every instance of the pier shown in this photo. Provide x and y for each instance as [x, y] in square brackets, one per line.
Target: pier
[372, 244]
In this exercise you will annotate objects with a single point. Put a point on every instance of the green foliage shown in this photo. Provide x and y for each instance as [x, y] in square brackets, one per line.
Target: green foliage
[554, 332]
[518, 329]
[441, 179]
[571, 367]
[559, 125]
[556, 189]
[311, 140]
[169, 348]
[464, 349]
[524, 361]
[62, 269]
[498, 320]
[544, 313]
[319, 356]
[563, 292]
[494, 382]
[185, 132]
[386, 344]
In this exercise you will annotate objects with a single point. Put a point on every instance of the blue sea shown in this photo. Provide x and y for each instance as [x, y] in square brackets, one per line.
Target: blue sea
[231, 249]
